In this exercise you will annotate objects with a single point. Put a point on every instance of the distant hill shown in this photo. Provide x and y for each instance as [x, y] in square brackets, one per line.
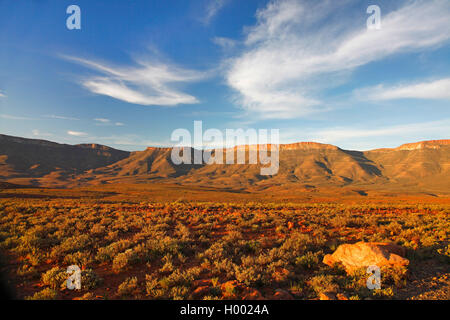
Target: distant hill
[421, 167]
[40, 162]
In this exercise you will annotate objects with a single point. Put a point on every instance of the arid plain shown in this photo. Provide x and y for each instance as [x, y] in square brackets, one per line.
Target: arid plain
[141, 227]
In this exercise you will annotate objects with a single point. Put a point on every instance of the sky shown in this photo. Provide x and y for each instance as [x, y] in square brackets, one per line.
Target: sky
[138, 70]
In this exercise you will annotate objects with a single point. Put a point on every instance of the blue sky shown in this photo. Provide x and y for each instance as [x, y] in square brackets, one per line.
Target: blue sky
[137, 70]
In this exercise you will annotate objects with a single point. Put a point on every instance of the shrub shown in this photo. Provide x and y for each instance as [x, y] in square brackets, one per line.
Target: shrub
[309, 260]
[90, 280]
[55, 278]
[323, 283]
[45, 294]
[129, 287]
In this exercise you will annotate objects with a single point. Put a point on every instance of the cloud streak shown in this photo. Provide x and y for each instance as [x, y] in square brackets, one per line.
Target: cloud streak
[77, 133]
[11, 117]
[292, 51]
[214, 6]
[107, 122]
[438, 90]
[102, 120]
[52, 116]
[147, 83]
[367, 138]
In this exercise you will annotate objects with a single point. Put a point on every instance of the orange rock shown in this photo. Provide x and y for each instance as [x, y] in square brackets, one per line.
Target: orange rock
[327, 296]
[341, 296]
[364, 254]
[200, 292]
[281, 294]
[252, 294]
[230, 288]
[201, 283]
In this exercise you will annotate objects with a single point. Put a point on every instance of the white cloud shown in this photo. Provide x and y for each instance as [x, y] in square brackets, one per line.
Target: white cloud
[77, 133]
[225, 43]
[366, 138]
[102, 120]
[10, 117]
[38, 133]
[2, 95]
[341, 134]
[130, 140]
[52, 116]
[296, 47]
[214, 6]
[439, 89]
[107, 122]
[148, 83]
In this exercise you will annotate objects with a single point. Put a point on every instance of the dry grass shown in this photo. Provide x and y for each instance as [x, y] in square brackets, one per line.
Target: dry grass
[160, 250]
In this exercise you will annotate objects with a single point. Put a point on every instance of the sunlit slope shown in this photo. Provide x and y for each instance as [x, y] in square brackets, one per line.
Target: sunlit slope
[421, 166]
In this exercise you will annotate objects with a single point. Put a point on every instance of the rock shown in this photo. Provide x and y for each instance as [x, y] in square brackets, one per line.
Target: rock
[230, 288]
[327, 296]
[201, 283]
[252, 294]
[341, 296]
[200, 292]
[281, 294]
[364, 254]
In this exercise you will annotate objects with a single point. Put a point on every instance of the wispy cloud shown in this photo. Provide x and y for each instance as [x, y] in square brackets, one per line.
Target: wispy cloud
[38, 133]
[11, 117]
[2, 95]
[340, 134]
[365, 138]
[102, 120]
[129, 141]
[439, 89]
[107, 122]
[52, 116]
[146, 83]
[297, 46]
[225, 43]
[213, 7]
[77, 133]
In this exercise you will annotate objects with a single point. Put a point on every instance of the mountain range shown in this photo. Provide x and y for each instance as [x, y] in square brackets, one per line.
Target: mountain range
[419, 167]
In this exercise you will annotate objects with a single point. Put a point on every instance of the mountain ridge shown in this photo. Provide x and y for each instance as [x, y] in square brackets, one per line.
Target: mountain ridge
[423, 166]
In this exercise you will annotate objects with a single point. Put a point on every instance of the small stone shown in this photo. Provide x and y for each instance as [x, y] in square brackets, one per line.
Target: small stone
[201, 283]
[281, 294]
[200, 292]
[252, 294]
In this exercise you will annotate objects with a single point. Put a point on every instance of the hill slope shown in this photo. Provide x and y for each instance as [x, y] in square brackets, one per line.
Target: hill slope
[422, 166]
[40, 162]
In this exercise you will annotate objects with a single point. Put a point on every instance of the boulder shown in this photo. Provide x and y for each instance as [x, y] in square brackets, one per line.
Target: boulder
[342, 296]
[281, 294]
[327, 296]
[252, 294]
[201, 283]
[200, 292]
[364, 254]
[231, 288]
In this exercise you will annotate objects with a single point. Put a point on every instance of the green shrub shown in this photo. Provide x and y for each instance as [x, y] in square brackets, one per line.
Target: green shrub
[45, 294]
